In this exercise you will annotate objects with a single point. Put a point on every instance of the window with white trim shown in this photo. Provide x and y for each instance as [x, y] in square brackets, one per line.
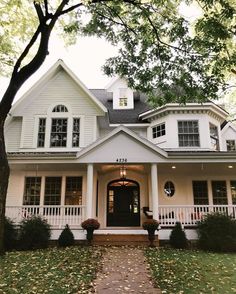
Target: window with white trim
[76, 132]
[73, 193]
[52, 193]
[219, 192]
[188, 132]
[200, 192]
[41, 132]
[230, 145]
[214, 136]
[32, 191]
[158, 130]
[58, 132]
[59, 129]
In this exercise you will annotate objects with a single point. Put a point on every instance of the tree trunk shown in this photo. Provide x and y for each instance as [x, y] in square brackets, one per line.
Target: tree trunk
[4, 176]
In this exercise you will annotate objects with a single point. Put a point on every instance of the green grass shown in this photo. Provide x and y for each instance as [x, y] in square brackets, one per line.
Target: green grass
[192, 272]
[57, 271]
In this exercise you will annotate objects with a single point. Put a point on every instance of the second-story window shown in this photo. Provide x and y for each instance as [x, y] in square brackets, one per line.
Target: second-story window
[58, 132]
[214, 137]
[41, 132]
[230, 144]
[123, 102]
[158, 131]
[188, 133]
[76, 132]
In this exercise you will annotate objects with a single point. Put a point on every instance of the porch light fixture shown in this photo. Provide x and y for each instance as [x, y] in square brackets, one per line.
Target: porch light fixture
[230, 166]
[122, 172]
[173, 167]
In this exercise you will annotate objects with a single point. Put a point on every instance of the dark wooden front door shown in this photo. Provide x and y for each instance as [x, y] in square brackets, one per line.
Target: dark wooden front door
[123, 208]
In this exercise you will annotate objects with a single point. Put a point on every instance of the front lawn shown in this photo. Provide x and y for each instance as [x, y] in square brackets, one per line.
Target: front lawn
[59, 271]
[192, 272]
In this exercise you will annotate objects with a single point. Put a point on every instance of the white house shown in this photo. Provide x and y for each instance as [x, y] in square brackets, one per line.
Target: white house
[78, 153]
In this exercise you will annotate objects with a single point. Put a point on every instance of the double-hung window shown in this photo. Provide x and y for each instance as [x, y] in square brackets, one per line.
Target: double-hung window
[58, 132]
[214, 137]
[188, 132]
[32, 191]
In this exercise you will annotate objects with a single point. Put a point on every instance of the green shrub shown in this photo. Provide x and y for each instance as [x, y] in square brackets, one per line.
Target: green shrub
[217, 232]
[66, 237]
[10, 234]
[34, 233]
[178, 238]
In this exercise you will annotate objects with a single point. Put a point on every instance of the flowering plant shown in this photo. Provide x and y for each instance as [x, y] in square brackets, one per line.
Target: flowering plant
[151, 224]
[90, 223]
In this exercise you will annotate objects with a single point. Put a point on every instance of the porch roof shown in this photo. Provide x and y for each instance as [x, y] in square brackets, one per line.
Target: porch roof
[122, 145]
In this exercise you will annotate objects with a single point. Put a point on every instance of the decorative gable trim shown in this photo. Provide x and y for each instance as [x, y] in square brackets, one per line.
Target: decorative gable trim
[53, 71]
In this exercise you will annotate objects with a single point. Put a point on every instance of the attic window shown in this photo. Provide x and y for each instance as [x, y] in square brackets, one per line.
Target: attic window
[60, 108]
[123, 100]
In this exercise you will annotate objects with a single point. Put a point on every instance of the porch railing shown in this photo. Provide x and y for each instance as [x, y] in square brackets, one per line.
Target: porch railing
[190, 215]
[57, 216]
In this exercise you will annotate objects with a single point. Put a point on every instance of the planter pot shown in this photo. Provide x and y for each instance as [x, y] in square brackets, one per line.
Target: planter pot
[151, 237]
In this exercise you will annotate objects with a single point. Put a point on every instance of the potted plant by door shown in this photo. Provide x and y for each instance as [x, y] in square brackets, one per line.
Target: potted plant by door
[151, 225]
[90, 225]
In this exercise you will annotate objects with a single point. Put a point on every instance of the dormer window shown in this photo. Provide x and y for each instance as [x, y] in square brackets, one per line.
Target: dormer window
[60, 108]
[188, 133]
[123, 99]
[123, 102]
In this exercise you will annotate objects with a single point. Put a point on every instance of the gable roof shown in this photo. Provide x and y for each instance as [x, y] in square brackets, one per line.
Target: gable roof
[144, 143]
[58, 66]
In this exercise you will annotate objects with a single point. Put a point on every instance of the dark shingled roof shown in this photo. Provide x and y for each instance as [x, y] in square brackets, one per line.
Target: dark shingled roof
[122, 116]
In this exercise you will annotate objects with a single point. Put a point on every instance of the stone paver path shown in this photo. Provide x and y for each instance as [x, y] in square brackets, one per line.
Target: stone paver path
[124, 270]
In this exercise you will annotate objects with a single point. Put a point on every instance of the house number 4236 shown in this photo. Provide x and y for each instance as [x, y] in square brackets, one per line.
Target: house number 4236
[121, 160]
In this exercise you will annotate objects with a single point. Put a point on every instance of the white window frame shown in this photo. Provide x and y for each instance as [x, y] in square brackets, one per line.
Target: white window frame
[188, 134]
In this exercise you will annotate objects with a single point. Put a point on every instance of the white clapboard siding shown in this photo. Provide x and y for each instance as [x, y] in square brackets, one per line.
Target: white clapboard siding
[13, 134]
[60, 90]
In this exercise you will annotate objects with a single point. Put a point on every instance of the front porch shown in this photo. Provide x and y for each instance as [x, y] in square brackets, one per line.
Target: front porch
[58, 216]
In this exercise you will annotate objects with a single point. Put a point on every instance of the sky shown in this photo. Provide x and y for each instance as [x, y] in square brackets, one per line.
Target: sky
[85, 58]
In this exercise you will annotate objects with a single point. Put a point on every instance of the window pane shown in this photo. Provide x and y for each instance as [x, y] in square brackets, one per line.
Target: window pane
[219, 192]
[76, 132]
[123, 102]
[214, 137]
[52, 195]
[32, 191]
[200, 193]
[41, 132]
[188, 134]
[59, 132]
[73, 194]
[231, 146]
[158, 131]
[60, 108]
[233, 191]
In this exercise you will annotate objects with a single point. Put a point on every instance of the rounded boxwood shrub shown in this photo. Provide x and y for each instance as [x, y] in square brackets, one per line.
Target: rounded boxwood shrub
[217, 232]
[66, 237]
[178, 238]
[34, 233]
[10, 234]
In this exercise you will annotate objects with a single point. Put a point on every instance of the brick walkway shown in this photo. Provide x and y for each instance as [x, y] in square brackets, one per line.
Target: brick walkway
[124, 270]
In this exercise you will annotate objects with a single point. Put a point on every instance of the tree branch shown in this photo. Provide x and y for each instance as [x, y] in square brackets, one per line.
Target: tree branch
[39, 11]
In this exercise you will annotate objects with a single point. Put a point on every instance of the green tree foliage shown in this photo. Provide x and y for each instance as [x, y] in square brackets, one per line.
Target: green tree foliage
[178, 238]
[34, 233]
[217, 232]
[66, 237]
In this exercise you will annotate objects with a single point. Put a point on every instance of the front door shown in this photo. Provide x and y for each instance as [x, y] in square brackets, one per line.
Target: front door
[123, 207]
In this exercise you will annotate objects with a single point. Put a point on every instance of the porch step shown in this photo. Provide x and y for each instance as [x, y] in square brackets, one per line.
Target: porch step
[123, 239]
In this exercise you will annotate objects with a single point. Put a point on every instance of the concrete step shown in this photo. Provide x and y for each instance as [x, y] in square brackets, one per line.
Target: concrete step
[123, 239]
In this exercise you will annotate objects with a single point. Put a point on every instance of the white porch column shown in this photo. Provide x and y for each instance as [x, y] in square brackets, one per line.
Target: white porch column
[154, 185]
[89, 197]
